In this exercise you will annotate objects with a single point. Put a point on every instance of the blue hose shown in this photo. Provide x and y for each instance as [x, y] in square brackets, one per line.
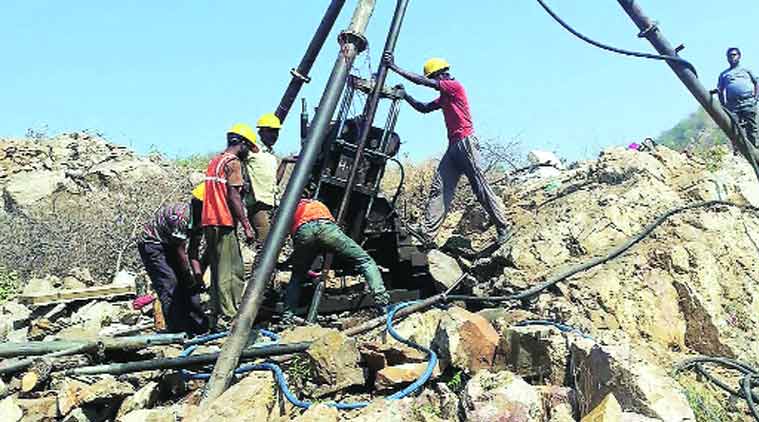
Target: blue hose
[279, 376]
[193, 344]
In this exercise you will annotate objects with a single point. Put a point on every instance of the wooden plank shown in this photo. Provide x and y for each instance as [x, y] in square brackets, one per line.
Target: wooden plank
[63, 296]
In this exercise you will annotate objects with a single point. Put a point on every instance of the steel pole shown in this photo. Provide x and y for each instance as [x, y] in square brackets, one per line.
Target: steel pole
[300, 74]
[650, 31]
[370, 111]
[352, 42]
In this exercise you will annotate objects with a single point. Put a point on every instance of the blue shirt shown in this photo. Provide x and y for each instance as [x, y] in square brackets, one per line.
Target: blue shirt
[738, 84]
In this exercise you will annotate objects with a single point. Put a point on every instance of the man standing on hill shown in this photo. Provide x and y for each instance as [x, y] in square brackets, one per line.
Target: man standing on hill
[261, 177]
[462, 155]
[738, 92]
[222, 211]
[162, 250]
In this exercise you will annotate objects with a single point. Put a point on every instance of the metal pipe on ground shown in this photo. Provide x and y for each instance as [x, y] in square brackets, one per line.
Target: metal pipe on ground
[650, 30]
[16, 366]
[300, 74]
[186, 362]
[370, 111]
[352, 42]
[31, 348]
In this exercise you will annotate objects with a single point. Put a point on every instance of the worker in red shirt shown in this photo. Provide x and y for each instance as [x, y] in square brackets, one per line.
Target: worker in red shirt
[223, 210]
[462, 155]
[314, 232]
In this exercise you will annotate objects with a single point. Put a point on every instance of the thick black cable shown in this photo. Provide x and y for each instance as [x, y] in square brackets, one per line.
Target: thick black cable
[630, 242]
[744, 390]
[606, 47]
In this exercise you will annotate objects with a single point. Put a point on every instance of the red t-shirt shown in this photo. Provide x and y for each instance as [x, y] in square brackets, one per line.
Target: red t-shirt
[455, 106]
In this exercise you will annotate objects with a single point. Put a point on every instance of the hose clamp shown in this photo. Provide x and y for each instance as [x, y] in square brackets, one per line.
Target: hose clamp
[294, 72]
[358, 40]
[651, 28]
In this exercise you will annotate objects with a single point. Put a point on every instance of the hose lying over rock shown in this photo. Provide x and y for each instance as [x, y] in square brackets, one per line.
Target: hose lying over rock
[629, 243]
[282, 381]
[749, 379]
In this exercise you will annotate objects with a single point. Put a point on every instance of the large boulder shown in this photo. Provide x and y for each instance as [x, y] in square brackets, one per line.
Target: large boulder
[10, 410]
[107, 392]
[251, 399]
[25, 189]
[534, 352]
[638, 386]
[491, 396]
[461, 338]
[333, 359]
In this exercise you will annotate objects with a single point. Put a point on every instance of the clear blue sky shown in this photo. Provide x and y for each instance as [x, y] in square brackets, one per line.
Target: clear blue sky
[177, 74]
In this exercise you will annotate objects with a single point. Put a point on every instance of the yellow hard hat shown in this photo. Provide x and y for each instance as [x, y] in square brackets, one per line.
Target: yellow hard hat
[269, 120]
[245, 131]
[433, 65]
[200, 191]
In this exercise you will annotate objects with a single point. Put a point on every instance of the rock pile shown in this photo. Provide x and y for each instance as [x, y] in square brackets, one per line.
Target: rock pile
[687, 288]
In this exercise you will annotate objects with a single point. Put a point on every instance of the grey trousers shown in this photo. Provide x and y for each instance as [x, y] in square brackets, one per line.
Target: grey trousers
[461, 157]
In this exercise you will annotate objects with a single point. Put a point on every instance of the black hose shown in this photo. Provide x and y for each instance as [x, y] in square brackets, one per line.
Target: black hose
[398, 189]
[606, 47]
[599, 260]
[746, 383]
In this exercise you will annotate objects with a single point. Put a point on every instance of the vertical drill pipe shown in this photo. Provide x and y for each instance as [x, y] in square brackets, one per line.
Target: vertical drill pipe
[300, 74]
[650, 31]
[351, 44]
[370, 110]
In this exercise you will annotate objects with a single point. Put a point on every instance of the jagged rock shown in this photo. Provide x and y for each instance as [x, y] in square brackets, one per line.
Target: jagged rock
[40, 409]
[438, 403]
[640, 387]
[319, 413]
[461, 338]
[387, 410]
[251, 399]
[37, 286]
[112, 173]
[534, 352]
[9, 410]
[502, 319]
[333, 357]
[444, 269]
[83, 415]
[503, 395]
[144, 398]
[634, 417]
[149, 415]
[83, 275]
[379, 355]
[559, 403]
[3, 388]
[24, 189]
[606, 411]
[392, 376]
[107, 391]
[71, 282]
[13, 316]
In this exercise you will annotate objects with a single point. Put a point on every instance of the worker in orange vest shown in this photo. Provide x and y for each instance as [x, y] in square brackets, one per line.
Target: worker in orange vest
[314, 232]
[223, 210]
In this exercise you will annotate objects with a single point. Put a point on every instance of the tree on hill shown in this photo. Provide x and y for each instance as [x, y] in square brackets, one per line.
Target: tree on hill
[696, 130]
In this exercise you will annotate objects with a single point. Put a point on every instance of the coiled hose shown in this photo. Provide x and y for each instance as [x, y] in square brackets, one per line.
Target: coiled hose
[279, 376]
[744, 391]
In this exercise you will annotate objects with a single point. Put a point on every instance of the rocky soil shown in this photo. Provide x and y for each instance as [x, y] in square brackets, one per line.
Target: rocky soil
[689, 288]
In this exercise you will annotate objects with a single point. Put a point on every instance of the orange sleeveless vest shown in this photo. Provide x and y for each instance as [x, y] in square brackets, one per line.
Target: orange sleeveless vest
[216, 210]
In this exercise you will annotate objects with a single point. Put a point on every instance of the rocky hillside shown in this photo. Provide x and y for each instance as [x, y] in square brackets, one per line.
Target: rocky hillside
[614, 335]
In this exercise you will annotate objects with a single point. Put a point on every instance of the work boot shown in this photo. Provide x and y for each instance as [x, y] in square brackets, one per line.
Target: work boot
[381, 305]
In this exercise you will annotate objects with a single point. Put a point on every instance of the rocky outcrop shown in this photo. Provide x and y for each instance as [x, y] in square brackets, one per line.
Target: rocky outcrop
[31, 170]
